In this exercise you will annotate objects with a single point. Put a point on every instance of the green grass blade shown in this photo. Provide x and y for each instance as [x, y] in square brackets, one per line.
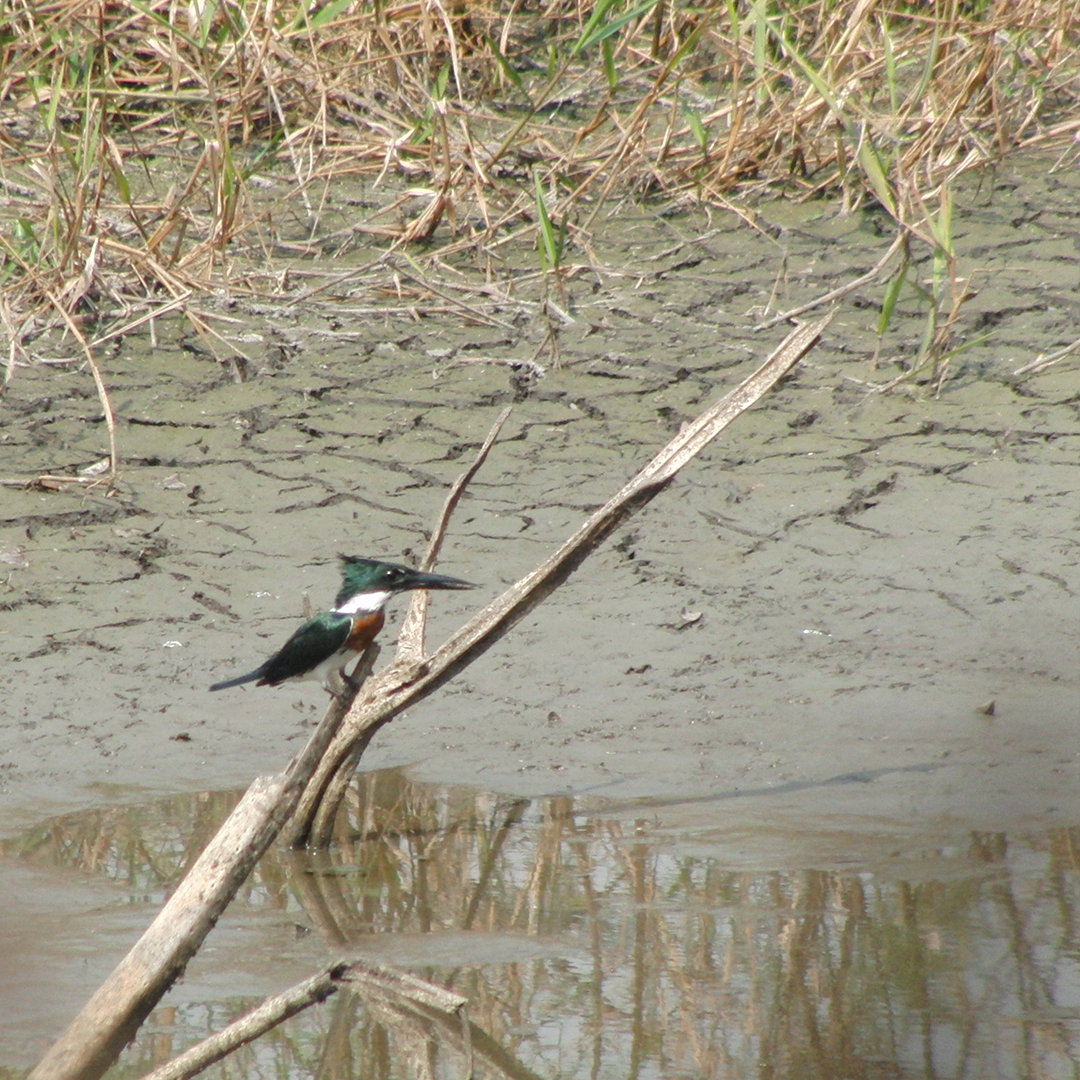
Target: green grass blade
[608, 52]
[865, 151]
[507, 70]
[595, 20]
[591, 35]
[892, 295]
[442, 80]
[759, 15]
[890, 67]
[550, 248]
[931, 60]
[696, 127]
[329, 13]
[874, 170]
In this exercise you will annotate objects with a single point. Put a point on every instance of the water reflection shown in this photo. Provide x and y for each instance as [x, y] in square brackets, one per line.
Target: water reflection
[588, 946]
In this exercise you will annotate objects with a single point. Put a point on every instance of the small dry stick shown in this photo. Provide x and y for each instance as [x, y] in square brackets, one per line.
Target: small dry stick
[251, 1025]
[373, 980]
[103, 394]
[836, 294]
[411, 637]
[1040, 363]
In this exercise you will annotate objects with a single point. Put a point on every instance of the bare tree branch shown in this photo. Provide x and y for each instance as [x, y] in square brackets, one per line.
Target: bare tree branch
[373, 981]
[109, 1020]
[113, 1014]
[407, 680]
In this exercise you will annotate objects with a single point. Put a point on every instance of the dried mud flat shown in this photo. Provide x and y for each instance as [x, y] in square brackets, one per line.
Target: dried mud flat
[791, 651]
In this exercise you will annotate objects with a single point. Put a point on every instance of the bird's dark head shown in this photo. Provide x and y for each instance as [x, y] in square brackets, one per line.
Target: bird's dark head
[360, 576]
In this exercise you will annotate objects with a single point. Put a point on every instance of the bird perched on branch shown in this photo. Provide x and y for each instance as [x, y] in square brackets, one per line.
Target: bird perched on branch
[330, 641]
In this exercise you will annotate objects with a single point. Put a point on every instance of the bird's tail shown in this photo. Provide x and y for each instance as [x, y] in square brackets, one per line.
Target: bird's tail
[251, 676]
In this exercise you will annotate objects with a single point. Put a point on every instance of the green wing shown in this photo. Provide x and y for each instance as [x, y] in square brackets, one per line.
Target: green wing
[315, 641]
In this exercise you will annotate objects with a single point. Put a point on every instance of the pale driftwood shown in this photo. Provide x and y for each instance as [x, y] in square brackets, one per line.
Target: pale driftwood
[111, 1017]
[113, 1014]
[251, 1025]
[1041, 363]
[408, 679]
[410, 649]
[373, 981]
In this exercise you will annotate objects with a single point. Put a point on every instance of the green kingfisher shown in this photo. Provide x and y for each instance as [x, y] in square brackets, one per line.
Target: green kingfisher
[330, 641]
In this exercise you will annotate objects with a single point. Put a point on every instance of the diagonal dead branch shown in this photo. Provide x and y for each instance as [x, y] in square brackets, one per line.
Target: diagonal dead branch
[408, 681]
[116, 1010]
[114, 1013]
[373, 981]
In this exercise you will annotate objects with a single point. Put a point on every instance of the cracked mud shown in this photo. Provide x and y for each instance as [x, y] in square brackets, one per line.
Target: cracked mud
[845, 636]
[842, 583]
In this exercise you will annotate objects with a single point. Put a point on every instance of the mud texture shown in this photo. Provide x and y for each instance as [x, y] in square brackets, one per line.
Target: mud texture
[855, 615]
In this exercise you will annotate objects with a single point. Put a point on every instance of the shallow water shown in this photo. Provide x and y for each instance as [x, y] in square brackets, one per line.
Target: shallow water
[832, 671]
[592, 940]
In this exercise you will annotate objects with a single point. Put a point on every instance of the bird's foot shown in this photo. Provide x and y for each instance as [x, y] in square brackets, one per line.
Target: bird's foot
[354, 681]
[350, 684]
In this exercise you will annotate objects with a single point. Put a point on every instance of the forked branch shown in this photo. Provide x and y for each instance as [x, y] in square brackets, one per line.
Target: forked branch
[408, 680]
[114, 1013]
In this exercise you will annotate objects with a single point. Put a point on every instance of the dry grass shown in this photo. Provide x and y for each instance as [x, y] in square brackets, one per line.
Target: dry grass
[135, 133]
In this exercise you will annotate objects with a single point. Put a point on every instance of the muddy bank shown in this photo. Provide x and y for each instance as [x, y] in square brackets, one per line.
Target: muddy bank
[840, 585]
[845, 638]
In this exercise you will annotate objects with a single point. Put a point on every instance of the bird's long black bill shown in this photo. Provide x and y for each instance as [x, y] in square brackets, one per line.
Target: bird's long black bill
[420, 580]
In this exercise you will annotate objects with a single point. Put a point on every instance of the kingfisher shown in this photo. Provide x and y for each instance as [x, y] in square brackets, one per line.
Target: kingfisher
[330, 641]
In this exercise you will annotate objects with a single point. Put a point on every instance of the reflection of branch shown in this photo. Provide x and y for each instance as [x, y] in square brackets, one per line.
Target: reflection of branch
[408, 681]
[391, 986]
[487, 867]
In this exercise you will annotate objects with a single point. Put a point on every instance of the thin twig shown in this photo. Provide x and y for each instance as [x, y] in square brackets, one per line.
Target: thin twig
[836, 294]
[103, 394]
[410, 650]
[1041, 363]
[411, 636]
[251, 1025]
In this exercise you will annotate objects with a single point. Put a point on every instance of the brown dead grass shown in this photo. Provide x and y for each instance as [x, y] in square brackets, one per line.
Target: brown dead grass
[134, 135]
